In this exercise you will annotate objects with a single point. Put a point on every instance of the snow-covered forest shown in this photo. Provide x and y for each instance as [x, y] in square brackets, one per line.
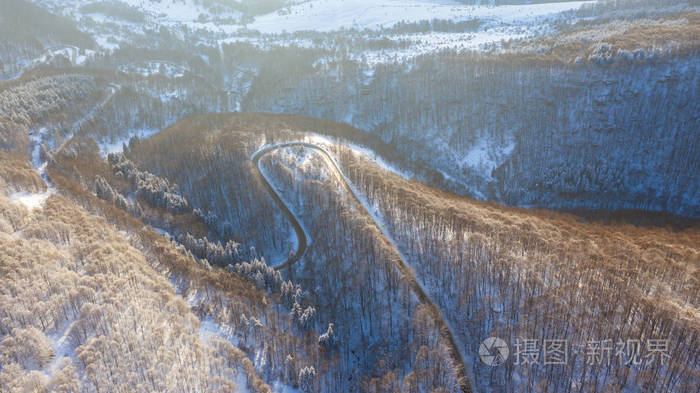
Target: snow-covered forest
[361, 196]
[518, 274]
[527, 132]
[512, 265]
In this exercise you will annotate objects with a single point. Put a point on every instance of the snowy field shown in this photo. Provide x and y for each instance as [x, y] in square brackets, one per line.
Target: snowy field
[330, 15]
[499, 23]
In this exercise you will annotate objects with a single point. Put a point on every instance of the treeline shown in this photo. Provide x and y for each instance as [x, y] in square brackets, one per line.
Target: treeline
[156, 190]
[518, 274]
[249, 8]
[114, 8]
[436, 25]
[638, 8]
[618, 38]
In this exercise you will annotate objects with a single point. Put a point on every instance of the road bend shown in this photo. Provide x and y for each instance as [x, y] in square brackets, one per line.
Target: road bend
[455, 352]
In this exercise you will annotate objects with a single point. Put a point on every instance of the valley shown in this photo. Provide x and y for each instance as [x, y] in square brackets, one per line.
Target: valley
[345, 196]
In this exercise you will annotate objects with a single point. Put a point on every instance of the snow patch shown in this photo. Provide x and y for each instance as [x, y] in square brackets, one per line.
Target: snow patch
[486, 157]
[369, 154]
[62, 348]
[31, 200]
[208, 328]
[116, 145]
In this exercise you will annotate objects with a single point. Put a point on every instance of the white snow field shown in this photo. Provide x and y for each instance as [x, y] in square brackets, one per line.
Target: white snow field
[31, 200]
[330, 15]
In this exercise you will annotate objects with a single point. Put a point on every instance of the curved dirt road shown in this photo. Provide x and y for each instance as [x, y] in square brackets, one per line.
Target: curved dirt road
[303, 240]
[302, 237]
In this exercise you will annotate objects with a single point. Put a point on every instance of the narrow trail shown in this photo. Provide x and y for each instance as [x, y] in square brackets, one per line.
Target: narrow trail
[97, 109]
[40, 136]
[303, 240]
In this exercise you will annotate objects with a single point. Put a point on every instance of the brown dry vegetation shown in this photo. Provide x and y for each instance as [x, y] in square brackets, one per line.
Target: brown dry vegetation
[602, 40]
[71, 276]
[81, 162]
[255, 319]
[17, 175]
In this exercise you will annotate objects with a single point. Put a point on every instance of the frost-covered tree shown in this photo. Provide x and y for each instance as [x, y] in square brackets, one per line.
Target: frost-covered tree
[307, 377]
[328, 340]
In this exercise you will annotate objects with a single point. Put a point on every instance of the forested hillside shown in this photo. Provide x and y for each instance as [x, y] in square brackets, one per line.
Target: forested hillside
[337, 319]
[85, 310]
[347, 196]
[357, 289]
[96, 301]
[494, 271]
[525, 274]
[558, 120]
[27, 31]
[36, 100]
[608, 124]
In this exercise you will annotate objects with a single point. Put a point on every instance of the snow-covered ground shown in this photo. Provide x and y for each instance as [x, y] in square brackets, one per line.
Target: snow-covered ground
[485, 156]
[497, 24]
[31, 200]
[165, 68]
[191, 18]
[116, 145]
[369, 154]
[331, 15]
[63, 347]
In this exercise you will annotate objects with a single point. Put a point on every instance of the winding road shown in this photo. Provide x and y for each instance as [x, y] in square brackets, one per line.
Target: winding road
[401, 264]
